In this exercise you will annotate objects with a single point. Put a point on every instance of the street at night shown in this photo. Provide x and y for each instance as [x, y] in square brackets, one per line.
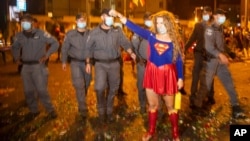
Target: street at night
[129, 124]
[34, 33]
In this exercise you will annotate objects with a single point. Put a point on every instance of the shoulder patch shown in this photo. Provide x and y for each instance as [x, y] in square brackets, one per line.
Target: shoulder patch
[209, 32]
[47, 35]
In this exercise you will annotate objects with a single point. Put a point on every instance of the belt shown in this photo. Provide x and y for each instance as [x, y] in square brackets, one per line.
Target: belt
[30, 62]
[141, 61]
[77, 60]
[107, 60]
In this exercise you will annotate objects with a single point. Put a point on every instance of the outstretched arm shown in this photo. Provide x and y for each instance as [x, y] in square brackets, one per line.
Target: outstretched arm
[135, 28]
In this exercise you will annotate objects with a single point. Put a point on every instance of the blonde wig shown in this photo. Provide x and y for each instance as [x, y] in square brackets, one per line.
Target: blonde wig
[172, 30]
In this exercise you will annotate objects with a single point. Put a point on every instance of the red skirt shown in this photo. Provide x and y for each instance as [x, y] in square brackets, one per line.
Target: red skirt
[163, 79]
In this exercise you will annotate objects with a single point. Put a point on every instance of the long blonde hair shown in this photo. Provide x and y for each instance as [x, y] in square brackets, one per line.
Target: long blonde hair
[172, 29]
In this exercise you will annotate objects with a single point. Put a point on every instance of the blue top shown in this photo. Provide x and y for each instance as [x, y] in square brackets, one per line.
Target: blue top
[161, 52]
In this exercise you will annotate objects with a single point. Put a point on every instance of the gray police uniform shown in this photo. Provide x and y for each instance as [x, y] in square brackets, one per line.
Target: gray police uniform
[34, 74]
[105, 50]
[74, 47]
[140, 47]
[198, 37]
[214, 44]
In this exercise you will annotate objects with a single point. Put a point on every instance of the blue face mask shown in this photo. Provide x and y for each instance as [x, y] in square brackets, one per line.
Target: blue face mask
[161, 30]
[205, 17]
[81, 25]
[109, 21]
[26, 25]
[148, 23]
[221, 19]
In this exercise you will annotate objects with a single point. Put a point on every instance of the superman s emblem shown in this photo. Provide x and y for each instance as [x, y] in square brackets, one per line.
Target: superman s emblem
[161, 48]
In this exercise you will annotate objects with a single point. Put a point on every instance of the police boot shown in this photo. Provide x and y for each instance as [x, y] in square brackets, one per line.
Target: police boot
[110, 118]
[191, 101]
[210, 101]
[173, 117]
[152, 118]
[83, 114]
[237, 112]
[102, 119]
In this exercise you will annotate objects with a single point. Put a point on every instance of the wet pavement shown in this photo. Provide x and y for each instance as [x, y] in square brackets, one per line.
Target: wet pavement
[129, 124]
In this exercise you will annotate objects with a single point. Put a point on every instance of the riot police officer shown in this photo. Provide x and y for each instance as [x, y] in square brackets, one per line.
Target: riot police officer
[74, 48]
[199, 52]
[217, 64]
[104, 44]
[32, 42]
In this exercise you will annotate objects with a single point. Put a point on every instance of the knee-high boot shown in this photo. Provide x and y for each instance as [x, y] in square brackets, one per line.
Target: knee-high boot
[152, 118]
[173, 117]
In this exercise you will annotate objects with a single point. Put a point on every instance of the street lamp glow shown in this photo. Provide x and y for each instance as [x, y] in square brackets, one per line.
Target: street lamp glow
[196, 19]
[196, 13]
[50, 14]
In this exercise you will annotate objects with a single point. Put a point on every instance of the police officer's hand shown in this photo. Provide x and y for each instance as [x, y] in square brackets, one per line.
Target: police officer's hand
[64, 66]
[19, 62]
[133, 56]
[88, 68]
[223, 59]
[43, 59]
[184, 56]
[180, 83]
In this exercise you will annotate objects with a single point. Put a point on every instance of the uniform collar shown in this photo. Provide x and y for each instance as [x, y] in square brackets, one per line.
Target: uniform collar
[105, 30]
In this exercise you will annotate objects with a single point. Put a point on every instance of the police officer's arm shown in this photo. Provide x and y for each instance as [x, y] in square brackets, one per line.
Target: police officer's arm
[213, 45]
[90, 46]
[192, 38]
[54, 45]
[125, 43]
[230, 52]
[65, 48]
[15, 49]
[220, 47]
[135, 40]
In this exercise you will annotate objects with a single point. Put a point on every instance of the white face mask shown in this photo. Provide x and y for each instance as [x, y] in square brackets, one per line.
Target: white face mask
[205, 17]
[26, 25]
[160, 27]
[109, 21]
[148, 23]
[221, 19]
[161, 30]
[81, 25]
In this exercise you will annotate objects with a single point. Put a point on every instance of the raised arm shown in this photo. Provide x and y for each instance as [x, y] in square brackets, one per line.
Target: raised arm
[133, 27]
